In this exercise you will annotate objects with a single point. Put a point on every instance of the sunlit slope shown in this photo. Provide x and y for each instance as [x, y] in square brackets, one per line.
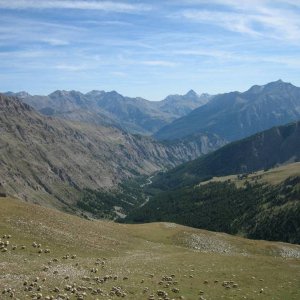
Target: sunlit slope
[136, 261]
[272, 176]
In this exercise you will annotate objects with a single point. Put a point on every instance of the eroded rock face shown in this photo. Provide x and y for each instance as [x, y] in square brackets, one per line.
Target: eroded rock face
[50, 160]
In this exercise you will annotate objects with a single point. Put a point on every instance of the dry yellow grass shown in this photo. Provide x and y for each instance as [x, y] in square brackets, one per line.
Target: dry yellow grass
[199, 260]
[273, 176]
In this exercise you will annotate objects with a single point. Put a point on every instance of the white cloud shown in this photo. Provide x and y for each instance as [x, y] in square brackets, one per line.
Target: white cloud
[232, 57]
[160, 63]
[106, 23]
[231, 21]
[119, 74]
[264, 18]
[206, 52]
[243, 4]
[25, 54]
[56, 42]
[71, 68]
[73, 4]
[289, 61]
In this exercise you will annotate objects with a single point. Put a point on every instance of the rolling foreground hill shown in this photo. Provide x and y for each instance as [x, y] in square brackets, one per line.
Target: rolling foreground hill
[236, 115]
[52, 255]
[135, 115]
[49, 161]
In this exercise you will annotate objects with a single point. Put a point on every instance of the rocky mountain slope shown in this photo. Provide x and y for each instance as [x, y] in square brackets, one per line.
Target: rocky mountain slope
[236, 115]
[264, 150]
[181, 105]
[48, 160]
[136, 115]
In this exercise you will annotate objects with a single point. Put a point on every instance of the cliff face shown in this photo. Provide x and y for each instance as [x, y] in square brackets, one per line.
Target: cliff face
[49, 160]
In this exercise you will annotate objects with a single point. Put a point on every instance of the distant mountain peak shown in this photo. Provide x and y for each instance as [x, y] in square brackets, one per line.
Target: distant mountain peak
[191, 93]
[255, 89]
[64, 93]
[114, 94]
[95, 93]
[21, 94]
[58, 93]
[276, 83]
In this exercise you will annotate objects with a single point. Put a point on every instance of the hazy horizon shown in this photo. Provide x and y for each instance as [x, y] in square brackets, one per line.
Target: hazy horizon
[137, 96]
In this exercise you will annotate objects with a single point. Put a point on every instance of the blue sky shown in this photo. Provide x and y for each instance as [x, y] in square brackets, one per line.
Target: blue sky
[148, 48]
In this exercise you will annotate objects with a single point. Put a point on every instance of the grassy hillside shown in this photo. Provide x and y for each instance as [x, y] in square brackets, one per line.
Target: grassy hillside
[272, 176]
[136, 261]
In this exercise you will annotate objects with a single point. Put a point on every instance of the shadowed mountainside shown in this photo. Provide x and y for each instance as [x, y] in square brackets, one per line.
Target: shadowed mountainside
[236, 115]
[263, 150]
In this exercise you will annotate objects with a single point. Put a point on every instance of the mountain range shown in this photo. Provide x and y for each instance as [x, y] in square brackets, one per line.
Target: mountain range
[232, 116]
[236, 115]
[135, 115]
